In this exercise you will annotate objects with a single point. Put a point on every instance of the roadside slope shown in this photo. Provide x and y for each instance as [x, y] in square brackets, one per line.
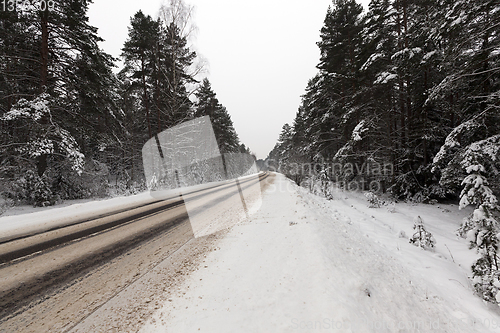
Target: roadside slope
[294, 266]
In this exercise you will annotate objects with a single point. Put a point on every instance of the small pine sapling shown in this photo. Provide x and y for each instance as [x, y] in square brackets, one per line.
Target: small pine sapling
[421, 238]
[373, 200]
[325, 184]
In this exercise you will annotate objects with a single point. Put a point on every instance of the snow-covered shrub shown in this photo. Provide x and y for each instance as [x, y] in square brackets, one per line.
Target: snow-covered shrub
[476, 190]
[429, 194]
[93, 181]
[36, 190]
[319, 181]
[5, 204]
[486, 280]
[71, 188]
[125, 188]
[373, 200]
[326, 184]
[45, 137]
[421, 238]
[418, 186]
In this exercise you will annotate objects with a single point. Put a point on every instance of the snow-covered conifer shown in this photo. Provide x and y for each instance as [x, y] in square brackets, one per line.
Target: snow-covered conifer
[373, 199]
[482, 227]
[35, 189]
[421, 238]
[45, 137]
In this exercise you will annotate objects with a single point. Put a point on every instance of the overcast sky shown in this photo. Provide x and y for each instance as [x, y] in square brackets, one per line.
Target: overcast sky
[260, 55]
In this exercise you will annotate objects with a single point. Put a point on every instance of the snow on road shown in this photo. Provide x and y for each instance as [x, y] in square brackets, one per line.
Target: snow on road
[304, 264]
[26, 220]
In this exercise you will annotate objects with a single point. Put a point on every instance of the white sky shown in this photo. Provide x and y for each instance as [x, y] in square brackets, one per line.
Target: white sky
[260, 55]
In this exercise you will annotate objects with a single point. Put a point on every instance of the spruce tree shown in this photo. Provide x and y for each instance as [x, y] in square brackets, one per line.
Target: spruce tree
[208, 105]
[52, 55]
[139, 55]
[482, 227]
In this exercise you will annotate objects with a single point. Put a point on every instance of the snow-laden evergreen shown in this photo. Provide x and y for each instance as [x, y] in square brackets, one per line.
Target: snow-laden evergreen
[482, 227]
[66, 115]
[421, 238]
[414, 85]
[373, 200]
[423, 79]
[46, 137]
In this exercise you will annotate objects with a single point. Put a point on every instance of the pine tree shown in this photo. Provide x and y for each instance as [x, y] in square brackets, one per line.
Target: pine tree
[482, 227]
[179, 59]
[45, 138]
[278, 158]
[407, 74]
[20, 56]
[127, 164]
[84, 84]
[208, 105]
[139, 55]
[421, 238]
[339, 64]
[340, 40]
[466, 92]
[53, 55]
[379, 79]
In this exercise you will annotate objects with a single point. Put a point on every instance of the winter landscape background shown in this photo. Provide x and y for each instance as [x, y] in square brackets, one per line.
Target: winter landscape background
[405, 106]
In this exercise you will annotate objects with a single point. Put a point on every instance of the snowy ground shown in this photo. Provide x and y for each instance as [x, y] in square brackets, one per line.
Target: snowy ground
[302, 263]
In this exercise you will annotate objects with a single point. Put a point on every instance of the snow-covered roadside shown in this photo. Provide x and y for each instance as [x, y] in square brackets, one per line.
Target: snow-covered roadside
[27, 220]
[444, 269]
[302, 263]
[28, 209]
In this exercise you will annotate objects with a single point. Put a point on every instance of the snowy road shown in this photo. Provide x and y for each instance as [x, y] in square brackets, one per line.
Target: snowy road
[300, 263]
[73, 278]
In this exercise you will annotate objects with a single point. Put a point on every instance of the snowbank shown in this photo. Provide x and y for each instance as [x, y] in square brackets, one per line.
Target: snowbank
[37, 220]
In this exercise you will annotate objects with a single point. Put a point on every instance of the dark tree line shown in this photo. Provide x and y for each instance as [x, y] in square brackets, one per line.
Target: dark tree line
[70, 127]
[414, 84]
[392, 85]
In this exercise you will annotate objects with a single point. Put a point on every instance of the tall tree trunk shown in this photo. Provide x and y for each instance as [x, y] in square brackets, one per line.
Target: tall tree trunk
[426, 113]
[486, 52]
[41, 162]
[44, 74]
[145, 91]
[409, 130]
[157, 87]
[352, 70]
[405, 21]
[402, 113]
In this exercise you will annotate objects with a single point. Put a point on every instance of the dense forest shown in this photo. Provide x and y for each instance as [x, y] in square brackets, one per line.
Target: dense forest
[72, 124]
[407, 101]
[403, 96]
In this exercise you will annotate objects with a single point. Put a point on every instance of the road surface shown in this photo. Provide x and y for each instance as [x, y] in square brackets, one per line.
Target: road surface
[53, 280]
